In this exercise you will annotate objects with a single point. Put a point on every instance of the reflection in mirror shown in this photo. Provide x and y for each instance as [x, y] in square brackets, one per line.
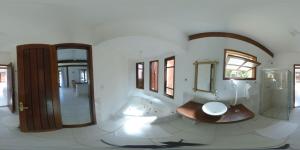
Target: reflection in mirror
[205, 76]
[74, 86]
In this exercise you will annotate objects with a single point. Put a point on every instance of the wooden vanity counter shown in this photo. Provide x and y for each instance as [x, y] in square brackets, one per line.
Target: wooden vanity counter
[193, 110]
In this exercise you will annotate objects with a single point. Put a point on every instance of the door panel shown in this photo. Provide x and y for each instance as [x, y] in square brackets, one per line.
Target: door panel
[39, 105]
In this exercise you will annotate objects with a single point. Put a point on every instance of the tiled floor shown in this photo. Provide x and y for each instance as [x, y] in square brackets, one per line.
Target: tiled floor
[130, 131]
[74, 109]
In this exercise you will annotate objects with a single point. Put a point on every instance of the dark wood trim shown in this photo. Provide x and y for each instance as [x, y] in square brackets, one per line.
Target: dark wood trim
[78, 125]
[72, 45]
[150, 77]
[73, 66]
[91, 78]
[3, 65]
[233, 36]
[224, 66]
[165, 77]
[13, 88]
[72, 61]
[234, 114]
[138, 86]
[55, 87]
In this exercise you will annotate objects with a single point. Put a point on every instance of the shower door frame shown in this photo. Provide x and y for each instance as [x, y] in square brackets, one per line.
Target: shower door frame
[294, 85]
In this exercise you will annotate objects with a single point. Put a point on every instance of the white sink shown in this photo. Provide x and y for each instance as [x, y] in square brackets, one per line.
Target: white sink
[214, 108]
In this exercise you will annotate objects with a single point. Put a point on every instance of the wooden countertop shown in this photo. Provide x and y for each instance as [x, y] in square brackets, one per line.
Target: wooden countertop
[193, 110]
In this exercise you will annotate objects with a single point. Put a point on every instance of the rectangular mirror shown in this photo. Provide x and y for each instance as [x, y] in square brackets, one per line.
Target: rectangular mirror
[205, 76]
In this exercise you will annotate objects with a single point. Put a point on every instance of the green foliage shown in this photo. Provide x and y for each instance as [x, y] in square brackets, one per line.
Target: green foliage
[237, 74]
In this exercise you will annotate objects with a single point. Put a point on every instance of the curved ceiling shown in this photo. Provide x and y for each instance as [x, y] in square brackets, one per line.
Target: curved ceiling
[272, 23]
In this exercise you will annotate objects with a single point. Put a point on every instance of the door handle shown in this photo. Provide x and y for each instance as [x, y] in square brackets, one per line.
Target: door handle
[21, 107]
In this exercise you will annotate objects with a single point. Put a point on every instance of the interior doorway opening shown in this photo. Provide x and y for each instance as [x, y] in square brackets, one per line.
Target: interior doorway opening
[296, 85]
[7, 87]
[74, 66]
[3, 86]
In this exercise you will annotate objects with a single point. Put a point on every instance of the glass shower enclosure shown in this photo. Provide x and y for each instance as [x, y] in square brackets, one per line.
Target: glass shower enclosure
[276, 99]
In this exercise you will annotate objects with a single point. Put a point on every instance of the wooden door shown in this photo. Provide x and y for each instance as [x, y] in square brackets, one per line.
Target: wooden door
[10, 88]
[39, 108]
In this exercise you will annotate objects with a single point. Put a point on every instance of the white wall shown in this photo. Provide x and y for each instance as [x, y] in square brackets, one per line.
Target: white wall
[286, 60]
[5, 58]
[201, 50]
[110, 80]
[74, 74]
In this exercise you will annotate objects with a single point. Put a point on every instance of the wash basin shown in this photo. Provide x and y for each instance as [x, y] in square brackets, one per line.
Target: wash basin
[214, 108]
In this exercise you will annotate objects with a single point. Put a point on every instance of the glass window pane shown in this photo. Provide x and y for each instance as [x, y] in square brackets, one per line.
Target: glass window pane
[250, 64]
[238, 65]
[140, 74]
[170, 77]
[250, 73]
[170, 92]
[140, 66]
[231, 67]
[235, 61]
[244, 69]
[154, 76]
[170, 63]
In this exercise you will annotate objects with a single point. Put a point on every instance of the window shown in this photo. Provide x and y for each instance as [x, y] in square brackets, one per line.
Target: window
[83, 76]
[140, 75]
[2, 77]
[169, 76]
[154, 75]
[239, 65]
[60, 78]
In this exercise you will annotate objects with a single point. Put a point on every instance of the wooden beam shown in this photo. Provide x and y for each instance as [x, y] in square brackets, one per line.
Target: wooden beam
[233, 36]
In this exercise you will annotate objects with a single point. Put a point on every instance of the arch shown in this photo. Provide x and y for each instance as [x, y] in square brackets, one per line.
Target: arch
[233, 36]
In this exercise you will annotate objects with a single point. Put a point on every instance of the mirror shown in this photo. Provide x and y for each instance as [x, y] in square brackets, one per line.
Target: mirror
[205, 76]
[74, 86]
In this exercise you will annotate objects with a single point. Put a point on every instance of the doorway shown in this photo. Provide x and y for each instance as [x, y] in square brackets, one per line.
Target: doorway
[7, 87]
[41, 87]
[296, 85]
[74, 66]
[3, 86]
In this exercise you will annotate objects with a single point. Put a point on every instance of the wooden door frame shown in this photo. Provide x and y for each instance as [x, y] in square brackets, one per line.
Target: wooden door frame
[294, 84]
[91, 78]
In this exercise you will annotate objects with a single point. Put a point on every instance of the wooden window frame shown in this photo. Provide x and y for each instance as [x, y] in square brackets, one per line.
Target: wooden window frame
[165, 77]
[254, 58]
[150, 75]
[136, 77]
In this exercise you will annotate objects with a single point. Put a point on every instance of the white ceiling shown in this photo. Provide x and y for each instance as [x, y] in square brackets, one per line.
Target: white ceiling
[270, 22]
